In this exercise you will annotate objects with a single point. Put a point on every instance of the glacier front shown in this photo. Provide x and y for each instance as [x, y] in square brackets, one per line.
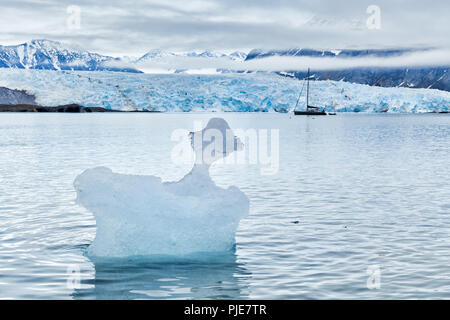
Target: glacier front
[246, 92]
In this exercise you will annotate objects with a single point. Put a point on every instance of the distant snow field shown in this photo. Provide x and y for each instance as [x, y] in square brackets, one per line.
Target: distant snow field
[226, 92]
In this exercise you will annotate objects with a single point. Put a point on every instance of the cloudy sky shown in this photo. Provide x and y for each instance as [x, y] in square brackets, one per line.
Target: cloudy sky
[133, 27]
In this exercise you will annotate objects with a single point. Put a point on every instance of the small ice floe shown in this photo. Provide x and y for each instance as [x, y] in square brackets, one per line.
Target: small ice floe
[140, 215]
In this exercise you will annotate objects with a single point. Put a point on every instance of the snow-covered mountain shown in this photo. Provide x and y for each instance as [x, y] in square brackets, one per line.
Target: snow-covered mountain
[198, 62]
[432, 77]
[305, 52]
[160, 54]
[52, 55]
[231, 92]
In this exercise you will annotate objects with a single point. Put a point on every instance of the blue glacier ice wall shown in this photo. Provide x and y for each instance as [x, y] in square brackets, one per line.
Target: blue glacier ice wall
[231, 92]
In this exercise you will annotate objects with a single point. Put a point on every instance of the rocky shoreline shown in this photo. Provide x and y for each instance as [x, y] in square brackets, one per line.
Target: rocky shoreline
[14, 100]
[69, 108]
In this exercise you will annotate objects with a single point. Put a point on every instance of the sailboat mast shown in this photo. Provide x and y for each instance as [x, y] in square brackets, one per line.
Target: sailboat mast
[307, 90]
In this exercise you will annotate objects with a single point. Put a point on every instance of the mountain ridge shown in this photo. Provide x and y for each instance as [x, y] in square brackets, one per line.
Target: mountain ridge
[53, 55]
[429, 77]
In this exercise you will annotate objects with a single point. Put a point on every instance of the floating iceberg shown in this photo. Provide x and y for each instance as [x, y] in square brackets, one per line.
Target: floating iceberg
[228, 92]
[140, 215]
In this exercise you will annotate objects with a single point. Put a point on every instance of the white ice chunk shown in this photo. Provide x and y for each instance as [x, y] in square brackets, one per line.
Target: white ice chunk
[140, 215]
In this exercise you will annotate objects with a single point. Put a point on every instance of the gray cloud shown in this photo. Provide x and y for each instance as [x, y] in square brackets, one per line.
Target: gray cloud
[414, 59]
[133, 27]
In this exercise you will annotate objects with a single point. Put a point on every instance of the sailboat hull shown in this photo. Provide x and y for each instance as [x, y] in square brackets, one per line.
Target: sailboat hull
[310, 113]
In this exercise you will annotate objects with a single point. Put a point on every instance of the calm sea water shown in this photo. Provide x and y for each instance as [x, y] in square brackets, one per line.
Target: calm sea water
[357, 200]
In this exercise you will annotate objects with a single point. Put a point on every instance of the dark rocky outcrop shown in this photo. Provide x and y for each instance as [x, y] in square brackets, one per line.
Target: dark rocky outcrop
[10, 96]
[12, 100]
[70, 108]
